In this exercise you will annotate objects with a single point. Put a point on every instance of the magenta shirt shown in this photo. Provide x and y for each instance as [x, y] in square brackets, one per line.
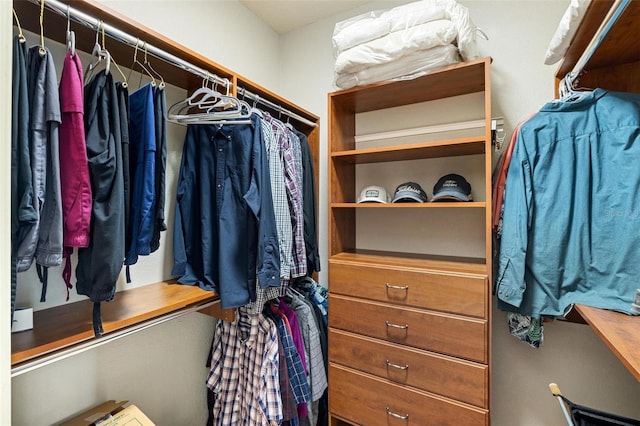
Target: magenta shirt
[74, 169]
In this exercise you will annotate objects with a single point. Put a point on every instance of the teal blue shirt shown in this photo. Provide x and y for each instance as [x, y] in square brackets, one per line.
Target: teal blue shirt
[571, 223]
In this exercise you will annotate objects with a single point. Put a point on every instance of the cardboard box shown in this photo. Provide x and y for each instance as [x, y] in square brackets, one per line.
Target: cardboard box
[111, 413]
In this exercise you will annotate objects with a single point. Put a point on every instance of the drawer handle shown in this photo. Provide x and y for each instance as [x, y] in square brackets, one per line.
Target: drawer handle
[396, 415]
[397, 287]
[402, 327]
[399, 367]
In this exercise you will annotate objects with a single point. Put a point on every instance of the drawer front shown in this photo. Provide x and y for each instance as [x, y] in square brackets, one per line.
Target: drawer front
[461, 380]
[440, 291]
[366, 400]
[433, 331]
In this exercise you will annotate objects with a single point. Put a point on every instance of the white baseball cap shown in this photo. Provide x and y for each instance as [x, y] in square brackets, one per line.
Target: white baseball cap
[373, 194]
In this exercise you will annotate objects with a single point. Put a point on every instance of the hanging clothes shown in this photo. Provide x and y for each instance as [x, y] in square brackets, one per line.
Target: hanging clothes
[225, 236]
[142, 155]
[282, 217]
[244, 372]
[296, 371]
[570, 208]
[122, 95]
[309, 205]
[99, 264]
[45, 242]
[160, 121]
[75, 183]
[24, 208]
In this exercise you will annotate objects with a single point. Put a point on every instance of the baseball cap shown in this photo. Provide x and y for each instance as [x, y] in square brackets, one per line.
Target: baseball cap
[452, 187]
[373, 194]
[409, 192]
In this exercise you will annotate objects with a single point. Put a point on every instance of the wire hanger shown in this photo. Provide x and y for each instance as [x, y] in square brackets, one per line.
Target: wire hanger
[136, 61]
[42, 49]
[148, 65]
[99, 54]
[71, 35]
[21, 36]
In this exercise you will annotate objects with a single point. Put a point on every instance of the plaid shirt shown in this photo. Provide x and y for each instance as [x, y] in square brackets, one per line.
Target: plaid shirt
[294, 194]
[300, 249]
[244, 372]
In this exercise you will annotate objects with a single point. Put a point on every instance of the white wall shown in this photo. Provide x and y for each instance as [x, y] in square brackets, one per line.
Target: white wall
[6, 43]
[571, 355]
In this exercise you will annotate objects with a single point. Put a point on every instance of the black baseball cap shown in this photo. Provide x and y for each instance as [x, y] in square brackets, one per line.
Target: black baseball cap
[409, 192]
[452, 187]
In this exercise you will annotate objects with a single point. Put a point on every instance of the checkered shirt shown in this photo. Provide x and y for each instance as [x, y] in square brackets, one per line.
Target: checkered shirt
[244, 372]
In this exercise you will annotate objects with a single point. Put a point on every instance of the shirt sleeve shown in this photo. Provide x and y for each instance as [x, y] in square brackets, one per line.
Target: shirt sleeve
[259, 200]
[273, 401]
[518, 212]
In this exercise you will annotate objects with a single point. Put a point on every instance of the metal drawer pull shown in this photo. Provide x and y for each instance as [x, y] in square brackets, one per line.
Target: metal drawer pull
[397, 287]
[399, 367]
[396, 415]
[403, 327]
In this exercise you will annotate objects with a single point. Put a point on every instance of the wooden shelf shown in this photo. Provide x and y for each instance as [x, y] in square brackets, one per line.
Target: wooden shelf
[453, 80]
[412, 260]
[616, 62]
[427, 205]
[67, 325]
[417, 151]
[620, 332]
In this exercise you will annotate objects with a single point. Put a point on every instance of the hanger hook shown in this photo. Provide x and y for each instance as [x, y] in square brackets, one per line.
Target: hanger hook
[68, 18]
[42, 49]
[256, 100]
[21, 36]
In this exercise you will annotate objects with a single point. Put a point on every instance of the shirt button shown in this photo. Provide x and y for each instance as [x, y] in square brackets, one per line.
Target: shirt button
[219, 186]
[220, 149]
[273, 277]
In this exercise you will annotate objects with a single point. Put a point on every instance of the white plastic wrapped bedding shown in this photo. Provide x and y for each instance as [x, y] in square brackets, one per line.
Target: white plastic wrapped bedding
[407, 67]
[566, 30]
[373, 25]
[395, 45]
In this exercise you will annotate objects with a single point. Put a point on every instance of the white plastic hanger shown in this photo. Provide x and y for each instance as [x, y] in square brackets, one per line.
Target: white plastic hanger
[99, 54]
[71, 35]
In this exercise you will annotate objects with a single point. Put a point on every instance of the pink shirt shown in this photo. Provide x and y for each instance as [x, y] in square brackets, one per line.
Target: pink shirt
[74, 169]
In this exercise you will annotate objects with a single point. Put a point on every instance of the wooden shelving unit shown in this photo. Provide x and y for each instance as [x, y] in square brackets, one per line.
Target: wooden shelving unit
[400, 320]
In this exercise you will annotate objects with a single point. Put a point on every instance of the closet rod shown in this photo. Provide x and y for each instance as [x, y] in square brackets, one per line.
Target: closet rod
[259, 99]
[608, 22]
[123, 37]
[94, 23]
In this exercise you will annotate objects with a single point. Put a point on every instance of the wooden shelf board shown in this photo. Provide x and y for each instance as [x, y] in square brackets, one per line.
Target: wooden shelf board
[620, 332]
[620, 46]
[452, 80]
[416, 151]
[66, 325]
[427, 205]
[413, 260]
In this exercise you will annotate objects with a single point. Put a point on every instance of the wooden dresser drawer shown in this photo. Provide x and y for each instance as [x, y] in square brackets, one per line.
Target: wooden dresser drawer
[364, 399]
[465, 294]
[444, 333]
[461, 380]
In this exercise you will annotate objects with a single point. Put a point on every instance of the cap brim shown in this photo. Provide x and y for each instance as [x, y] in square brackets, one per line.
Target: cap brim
[372, 200]
[450, 196]
[407, 196]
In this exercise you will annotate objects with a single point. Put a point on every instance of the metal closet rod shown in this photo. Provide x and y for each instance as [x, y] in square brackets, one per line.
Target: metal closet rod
[244, 93]
[123, 37]
[119, 35]
[608, 22]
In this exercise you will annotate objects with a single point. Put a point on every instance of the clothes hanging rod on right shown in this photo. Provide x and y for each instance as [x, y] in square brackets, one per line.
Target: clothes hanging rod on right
[241, 91]
[616, 10]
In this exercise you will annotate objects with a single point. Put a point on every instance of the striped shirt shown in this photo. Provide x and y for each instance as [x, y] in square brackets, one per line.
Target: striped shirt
[244, 372]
